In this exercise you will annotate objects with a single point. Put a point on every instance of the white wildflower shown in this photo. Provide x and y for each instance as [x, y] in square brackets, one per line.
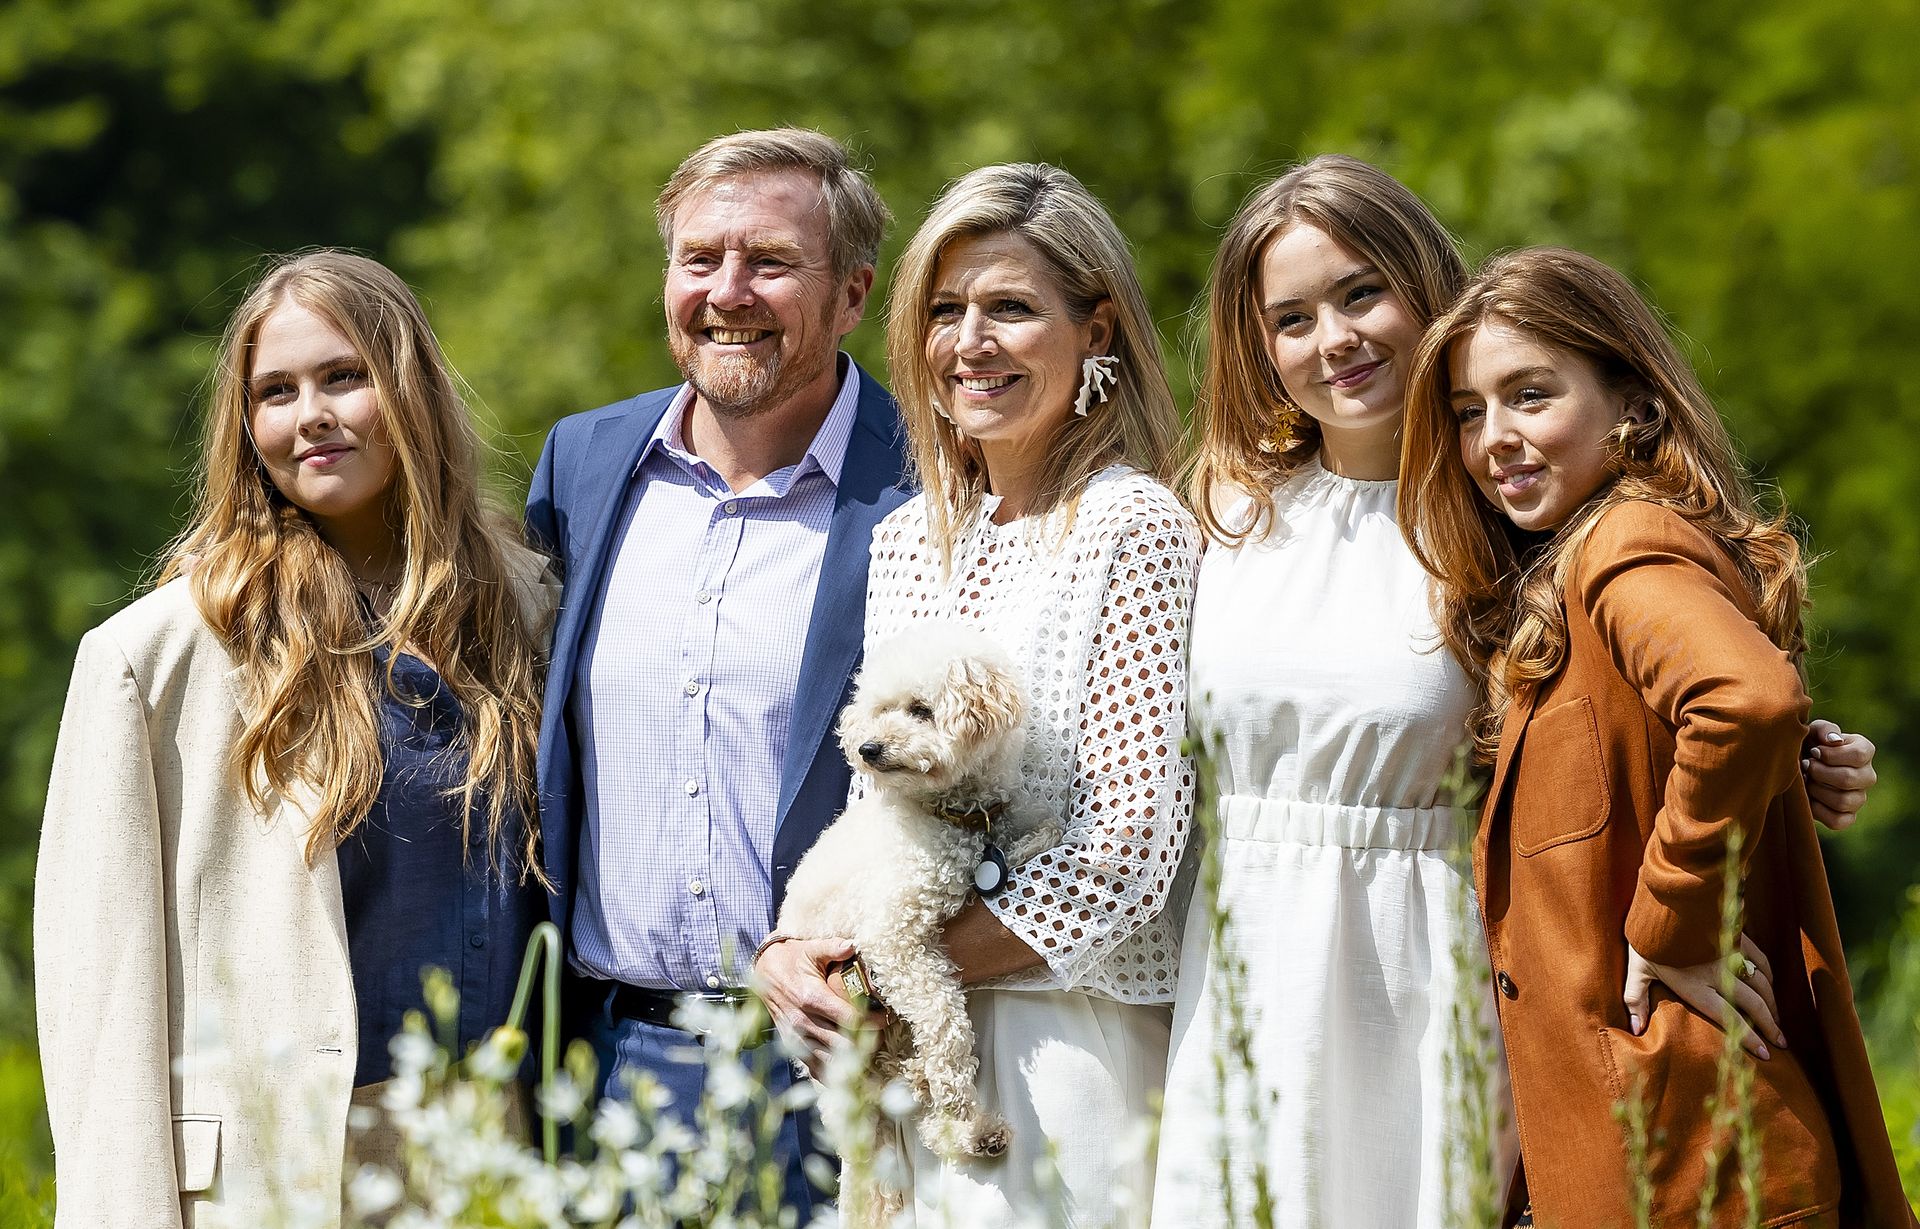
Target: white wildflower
[373, 1190]
[403, 1093]
[800, 1094]
[897, 1100]
[672, 1136]
[822, 1173]
[695, 1015]
[278, 1050]
[597, 1203]
[412, 1053]
[495, 1059]
[649, 1095]
[643, 1171]
[729, 1085]
[560, 1098]
[616, 1125]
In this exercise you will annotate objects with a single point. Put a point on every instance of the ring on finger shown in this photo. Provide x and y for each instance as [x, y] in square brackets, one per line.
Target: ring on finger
[1747, 969]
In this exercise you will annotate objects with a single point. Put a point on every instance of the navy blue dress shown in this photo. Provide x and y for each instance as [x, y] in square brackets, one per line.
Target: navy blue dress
[412, 899]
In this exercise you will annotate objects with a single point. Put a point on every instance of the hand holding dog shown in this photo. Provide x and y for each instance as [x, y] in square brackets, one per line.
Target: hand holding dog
[792, 977]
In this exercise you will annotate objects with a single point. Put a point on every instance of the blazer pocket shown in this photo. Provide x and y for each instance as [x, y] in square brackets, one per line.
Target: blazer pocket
[196, 1150]
[1560, 793]
[1673, 1069]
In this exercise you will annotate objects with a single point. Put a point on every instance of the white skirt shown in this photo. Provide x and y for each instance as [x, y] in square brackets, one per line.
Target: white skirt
[1363, 968]
[1078, 1079]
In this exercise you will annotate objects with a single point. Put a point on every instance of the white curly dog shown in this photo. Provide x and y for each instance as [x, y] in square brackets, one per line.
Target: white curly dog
[935, 723]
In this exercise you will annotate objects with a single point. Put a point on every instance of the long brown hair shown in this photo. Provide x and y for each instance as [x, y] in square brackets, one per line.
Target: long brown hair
[1498, 588]
[1089, 261]
[1251, 435]
[286, 605]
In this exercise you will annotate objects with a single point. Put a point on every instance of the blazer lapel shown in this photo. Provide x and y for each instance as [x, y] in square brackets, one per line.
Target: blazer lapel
[622, 438]
[868, 490]
[1513, 731]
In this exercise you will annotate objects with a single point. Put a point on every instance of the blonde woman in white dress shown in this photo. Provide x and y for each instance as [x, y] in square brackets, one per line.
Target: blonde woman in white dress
[1335, 715]
[1056, 533]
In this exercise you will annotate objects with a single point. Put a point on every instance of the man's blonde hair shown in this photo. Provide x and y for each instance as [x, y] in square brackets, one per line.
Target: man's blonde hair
[856, 216]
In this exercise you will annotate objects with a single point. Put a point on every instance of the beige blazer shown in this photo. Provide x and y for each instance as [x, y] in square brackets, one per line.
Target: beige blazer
[196, 1006]
[197, 1018]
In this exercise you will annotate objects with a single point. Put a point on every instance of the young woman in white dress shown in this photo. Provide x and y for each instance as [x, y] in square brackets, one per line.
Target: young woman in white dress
[1043, 432]
[1335, 717]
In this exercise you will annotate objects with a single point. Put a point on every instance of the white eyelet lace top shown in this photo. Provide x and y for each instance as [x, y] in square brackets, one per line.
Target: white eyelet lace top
[1097, 620]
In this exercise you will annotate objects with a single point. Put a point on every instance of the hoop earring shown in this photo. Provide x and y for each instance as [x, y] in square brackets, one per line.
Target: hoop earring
[1096, 375]
[1636, 437]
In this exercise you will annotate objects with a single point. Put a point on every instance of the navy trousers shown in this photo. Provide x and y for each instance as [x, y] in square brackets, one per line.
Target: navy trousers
[623, 1045]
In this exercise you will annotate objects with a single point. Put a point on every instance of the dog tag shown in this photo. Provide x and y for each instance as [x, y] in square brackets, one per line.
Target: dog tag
[991, 875]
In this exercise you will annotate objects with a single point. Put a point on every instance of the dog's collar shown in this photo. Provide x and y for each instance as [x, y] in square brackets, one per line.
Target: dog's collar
[974, 815]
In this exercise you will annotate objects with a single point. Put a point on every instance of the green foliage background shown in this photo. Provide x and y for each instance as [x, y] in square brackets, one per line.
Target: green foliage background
[1752, 164]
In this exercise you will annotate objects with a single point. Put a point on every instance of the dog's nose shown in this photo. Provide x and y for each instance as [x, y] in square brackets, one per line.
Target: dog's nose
[872, 751]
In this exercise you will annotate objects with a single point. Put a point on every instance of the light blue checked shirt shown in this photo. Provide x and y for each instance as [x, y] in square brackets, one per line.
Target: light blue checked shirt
[683, 698]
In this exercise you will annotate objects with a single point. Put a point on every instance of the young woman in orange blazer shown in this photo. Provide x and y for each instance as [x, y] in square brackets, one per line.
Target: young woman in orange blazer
[1603, 565]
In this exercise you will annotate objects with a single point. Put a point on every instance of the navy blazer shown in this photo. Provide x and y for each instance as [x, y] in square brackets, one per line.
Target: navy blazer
[578, 490]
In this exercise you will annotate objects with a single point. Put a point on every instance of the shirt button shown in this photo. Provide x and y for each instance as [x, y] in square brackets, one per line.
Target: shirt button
[476, 939]
[1506, 985]
[732, 507]
[693, 787]
[713, 981]
[697, 886]
[692, 688]
[703, 597]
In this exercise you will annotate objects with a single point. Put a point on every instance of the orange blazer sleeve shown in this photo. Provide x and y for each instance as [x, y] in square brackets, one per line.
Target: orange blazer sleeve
[1657, 591]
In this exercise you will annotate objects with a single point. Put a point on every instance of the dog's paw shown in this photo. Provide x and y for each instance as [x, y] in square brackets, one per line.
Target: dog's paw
[990, 1136]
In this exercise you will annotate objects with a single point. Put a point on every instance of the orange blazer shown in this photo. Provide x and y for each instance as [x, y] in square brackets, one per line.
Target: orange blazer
[1673, 723]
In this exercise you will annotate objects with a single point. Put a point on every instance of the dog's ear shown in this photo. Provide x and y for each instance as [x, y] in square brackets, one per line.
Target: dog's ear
[848, 701]
[979, 700]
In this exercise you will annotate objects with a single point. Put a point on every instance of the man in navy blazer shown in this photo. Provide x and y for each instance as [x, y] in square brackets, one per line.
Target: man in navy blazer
[713, 542]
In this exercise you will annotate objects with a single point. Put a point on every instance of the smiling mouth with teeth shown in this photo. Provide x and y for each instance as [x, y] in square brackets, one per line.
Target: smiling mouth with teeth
[985, 384]
[737, 337]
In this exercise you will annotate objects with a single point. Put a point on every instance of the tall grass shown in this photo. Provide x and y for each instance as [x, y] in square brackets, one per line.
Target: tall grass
[711, 1165]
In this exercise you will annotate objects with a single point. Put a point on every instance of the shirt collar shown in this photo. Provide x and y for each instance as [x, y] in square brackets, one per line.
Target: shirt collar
[827, 453]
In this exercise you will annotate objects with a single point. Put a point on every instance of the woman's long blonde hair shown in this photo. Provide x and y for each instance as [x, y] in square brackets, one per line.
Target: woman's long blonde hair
[287, 607]
[1498, 589]
[1250, 433]
[1089, 262]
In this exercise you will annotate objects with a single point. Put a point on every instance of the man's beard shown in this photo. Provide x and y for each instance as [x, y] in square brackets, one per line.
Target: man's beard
[744, 385]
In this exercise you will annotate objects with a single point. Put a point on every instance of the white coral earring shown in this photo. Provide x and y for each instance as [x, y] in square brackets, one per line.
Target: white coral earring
[1097, 374]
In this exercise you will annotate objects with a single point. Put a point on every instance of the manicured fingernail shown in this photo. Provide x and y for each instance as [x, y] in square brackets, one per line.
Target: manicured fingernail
[1764, 1054]
[1835, 736]
[1633, 1022]
[1806, 764]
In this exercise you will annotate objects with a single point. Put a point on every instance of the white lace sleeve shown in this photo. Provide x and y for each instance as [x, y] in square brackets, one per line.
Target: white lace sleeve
[1129, 801]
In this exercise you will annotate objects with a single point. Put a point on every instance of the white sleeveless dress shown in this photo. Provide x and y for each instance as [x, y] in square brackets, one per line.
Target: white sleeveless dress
[1333, 714]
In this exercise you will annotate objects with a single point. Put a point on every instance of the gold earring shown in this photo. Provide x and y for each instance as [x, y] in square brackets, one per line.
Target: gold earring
[1289, 422]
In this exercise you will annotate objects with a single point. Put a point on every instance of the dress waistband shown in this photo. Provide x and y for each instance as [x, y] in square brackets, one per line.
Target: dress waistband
[1244, 817]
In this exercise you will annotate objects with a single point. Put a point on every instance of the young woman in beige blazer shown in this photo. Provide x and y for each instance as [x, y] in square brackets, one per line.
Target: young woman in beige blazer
[1604, 566]
[234, 874]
